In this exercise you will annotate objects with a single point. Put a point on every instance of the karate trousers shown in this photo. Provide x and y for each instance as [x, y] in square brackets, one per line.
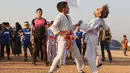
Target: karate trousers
[61, 51]
[91, 51]
[51, 50]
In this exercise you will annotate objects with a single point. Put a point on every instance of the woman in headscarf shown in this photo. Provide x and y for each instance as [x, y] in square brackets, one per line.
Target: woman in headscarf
[16, 39]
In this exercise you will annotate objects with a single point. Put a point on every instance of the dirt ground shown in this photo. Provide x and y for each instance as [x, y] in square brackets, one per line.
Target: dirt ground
[120, 64]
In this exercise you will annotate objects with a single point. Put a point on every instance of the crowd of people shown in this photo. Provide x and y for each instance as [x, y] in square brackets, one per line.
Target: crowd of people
[13, 39]
[53, 41]
[17, 39]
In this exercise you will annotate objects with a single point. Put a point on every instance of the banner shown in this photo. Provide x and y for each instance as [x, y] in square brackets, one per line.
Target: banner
[73, 3]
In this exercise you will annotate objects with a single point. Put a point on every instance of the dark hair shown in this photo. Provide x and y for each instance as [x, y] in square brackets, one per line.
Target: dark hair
[18, 26]
[61, 5]
[105, 11]
[39, 9]
[124, 35]
[4, 23]
[80, 22]
[7, 24]
[27, 23]
[52, 22]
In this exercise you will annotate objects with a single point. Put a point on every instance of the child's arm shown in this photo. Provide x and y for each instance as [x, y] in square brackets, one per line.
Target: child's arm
[55, 25]
[93, 24]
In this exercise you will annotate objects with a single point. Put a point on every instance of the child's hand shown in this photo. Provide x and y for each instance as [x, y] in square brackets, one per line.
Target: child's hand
[23, 37]
[64, 34]
[83, 46]
[98, 43]
[32, 40]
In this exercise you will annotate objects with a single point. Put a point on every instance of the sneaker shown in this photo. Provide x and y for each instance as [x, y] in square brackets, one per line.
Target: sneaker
[103, 60]
[49, 63]
[81, 71]
[110, 61]
[33, 62]
[45, 63]
[99, 65]
[9, 59]
[64, 64]
[125, 55]
[57, 68]
[25, 60]
[74, 63]
[0, 58]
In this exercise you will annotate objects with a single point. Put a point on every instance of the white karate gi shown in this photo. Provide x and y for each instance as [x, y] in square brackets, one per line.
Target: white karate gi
[64, 57]
[92, 41]
[98, 60]
[51, 46]
[62, 23]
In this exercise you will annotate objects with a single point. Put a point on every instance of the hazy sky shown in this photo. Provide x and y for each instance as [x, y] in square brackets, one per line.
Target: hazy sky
[24, 10]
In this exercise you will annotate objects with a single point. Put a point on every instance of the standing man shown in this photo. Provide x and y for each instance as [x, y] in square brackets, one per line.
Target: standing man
[105, 39]
[11, 43]
[5, 41]
[39, 31]
[2, 30]
[62, 27]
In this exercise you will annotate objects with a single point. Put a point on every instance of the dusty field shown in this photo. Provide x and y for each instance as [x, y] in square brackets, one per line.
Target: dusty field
[121, 64]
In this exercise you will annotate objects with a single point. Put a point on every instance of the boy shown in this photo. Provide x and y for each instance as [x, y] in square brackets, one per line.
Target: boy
[51, 45]
[84, 45]
[78, 40]
[92, 29]
[125, 44]
[62, 27]
[105, 39]
[39, 31]
[27, 43]
[5, 40]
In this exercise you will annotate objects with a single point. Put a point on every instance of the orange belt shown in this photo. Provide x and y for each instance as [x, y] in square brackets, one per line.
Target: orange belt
[70, 37]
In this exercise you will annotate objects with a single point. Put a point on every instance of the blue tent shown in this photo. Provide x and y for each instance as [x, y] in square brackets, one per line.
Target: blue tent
[115, 45]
